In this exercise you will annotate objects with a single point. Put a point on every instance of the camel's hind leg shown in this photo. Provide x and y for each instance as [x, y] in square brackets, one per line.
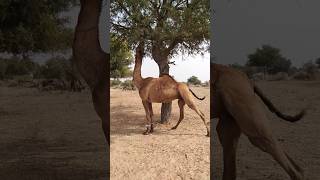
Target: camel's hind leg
[193, 107]
[229, 133]
[271, 146]
[181, 104]
[146, 106]
[187, 97]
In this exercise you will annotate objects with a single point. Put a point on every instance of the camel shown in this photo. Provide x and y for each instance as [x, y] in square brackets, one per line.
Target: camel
[162, 90]
[91, 60]
[234, 102]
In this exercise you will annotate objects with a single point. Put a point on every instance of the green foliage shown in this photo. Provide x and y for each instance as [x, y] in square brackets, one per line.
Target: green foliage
[121, 58]
[17, 67]
[194, 80]
[128, 85]
[33, 26]
[270, 58]
[115, 82]
[55, 68]
[166, 27]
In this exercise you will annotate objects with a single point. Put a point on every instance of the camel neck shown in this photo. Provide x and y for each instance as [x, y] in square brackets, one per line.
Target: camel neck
[87, 29]
[137, 78]
[89, 14]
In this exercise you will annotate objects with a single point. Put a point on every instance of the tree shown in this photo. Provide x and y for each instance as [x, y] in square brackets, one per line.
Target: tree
[33, 26]
[194, 80]
[270, 58]
[166, 27]
[121, 58]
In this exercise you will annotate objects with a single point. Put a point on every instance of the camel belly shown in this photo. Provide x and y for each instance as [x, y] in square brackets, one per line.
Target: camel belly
[163, 96]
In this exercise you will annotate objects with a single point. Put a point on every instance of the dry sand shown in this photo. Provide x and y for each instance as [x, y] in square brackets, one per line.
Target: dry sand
[166, 154]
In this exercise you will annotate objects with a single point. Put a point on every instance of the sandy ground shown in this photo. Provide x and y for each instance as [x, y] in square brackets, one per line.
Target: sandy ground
[166, 154]
[300, 139]
[50, 136]
[57, 135]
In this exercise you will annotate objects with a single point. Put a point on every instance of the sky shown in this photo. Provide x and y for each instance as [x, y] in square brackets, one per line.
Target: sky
[241, 26]
[185, 67]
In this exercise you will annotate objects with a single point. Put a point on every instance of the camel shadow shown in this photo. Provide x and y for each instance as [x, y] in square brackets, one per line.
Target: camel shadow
[128, 120]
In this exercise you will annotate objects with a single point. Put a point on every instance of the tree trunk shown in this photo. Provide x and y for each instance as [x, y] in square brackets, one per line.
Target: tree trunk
[165, 107]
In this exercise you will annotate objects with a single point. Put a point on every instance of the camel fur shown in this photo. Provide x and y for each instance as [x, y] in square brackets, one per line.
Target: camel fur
[234, 101]
[162, 90]
[91, 60]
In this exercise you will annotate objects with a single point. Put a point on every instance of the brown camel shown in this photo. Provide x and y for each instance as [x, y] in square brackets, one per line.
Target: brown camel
[234, 102]
[162, 90]
[91, 61]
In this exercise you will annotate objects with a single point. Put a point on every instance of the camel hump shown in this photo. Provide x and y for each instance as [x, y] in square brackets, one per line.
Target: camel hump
[167, 75]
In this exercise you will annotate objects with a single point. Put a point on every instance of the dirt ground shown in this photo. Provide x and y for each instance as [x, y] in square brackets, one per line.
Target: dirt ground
[57, 135]
[300, 139]
[166, 154]
[50, 136]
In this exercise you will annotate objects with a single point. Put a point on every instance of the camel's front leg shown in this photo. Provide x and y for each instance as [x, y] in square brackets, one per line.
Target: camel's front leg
[99, 97]
[148, 117]
[151, 116]
[228, 133]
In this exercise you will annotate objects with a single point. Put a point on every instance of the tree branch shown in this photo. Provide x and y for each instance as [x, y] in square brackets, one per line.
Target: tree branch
[120, 26]
[124, 8]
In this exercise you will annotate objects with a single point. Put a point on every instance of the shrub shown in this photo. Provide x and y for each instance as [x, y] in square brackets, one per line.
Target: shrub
[55, 68]
[194, 80]
[128, 85]
[16, 67]
[115, 82]
[302, 76]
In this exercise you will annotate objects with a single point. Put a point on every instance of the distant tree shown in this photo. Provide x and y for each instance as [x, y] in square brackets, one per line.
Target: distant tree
[33, 26]
[194, 80]
[310, 68]
[270, 58]
[318, 62]
[121, 58]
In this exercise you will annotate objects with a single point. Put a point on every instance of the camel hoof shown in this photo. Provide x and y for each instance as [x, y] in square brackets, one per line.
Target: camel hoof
[208, 134]
[146, 133]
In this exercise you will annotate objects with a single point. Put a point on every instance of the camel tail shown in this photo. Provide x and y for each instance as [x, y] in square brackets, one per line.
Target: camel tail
[273, 109]
[196, 95]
